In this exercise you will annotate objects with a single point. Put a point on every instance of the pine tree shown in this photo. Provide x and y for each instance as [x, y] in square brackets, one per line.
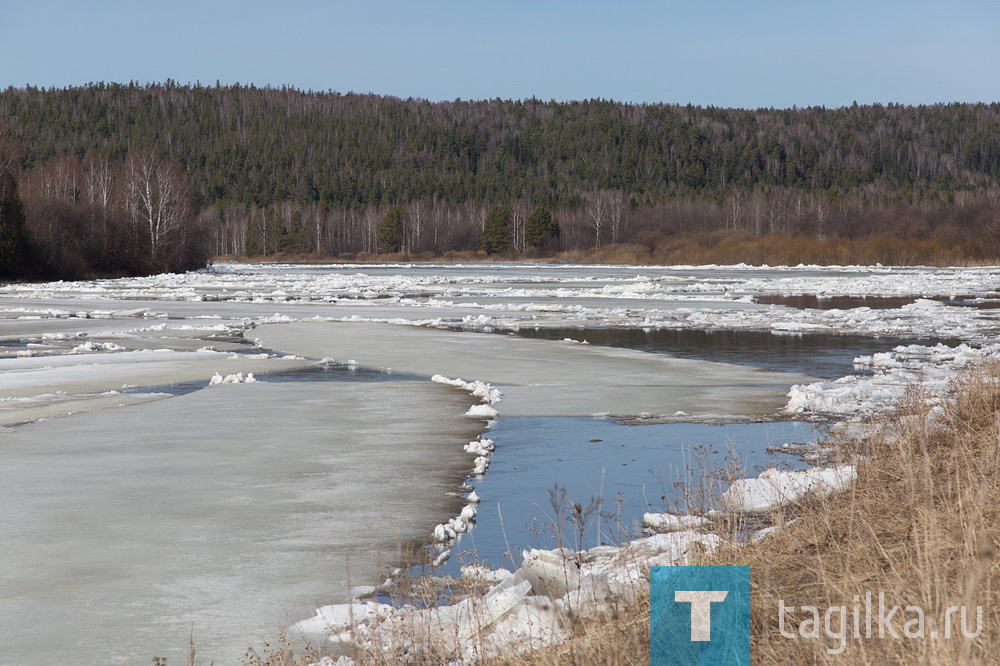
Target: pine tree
[495, 237]
[540, 229]
[390, 231]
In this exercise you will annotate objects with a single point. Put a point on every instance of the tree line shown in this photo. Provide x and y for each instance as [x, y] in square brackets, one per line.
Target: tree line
[279, 170]
[72, 218]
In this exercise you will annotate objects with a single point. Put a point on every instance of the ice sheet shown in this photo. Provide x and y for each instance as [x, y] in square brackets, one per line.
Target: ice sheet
[234, 510]
[498, 295]
[46, 386]
[543, 377]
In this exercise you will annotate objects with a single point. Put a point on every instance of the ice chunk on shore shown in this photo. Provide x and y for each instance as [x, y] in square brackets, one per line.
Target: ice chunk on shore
[552, 573]
[774, 487]
[483, 574]
[933, 367]
[526, 609]
[337, 620]
[671, 522]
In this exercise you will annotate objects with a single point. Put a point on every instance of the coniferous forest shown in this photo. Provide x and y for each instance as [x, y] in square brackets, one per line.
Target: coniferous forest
[111, 179]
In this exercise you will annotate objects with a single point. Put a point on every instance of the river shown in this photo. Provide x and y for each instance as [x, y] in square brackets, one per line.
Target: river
[142, 503]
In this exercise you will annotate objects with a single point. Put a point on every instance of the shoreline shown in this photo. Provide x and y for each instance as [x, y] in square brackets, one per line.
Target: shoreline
[457, 258]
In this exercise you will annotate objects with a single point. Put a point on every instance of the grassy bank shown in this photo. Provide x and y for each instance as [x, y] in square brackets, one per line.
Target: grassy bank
[921, 526]
[708, 248]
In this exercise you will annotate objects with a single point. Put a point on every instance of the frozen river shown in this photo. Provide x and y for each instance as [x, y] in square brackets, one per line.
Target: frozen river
[148, 491]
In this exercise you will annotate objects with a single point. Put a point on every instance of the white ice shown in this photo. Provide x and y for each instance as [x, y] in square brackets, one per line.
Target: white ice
[774, 488]
[543, 377]
[232, 510]
[530, 608]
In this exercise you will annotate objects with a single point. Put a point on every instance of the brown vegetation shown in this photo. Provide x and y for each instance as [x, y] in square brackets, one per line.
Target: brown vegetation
[774, 227]
[788, 249]
[945, 249]
[98, 217]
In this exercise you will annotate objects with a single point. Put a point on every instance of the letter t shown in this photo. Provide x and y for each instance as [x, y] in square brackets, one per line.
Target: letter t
[701, 610]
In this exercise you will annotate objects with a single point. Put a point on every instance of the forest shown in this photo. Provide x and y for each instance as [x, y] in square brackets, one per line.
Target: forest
[279, 171]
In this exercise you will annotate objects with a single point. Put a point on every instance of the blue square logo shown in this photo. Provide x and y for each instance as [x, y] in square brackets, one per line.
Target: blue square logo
[699, 615]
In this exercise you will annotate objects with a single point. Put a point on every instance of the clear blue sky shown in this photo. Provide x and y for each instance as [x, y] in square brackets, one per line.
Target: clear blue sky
[721, 52]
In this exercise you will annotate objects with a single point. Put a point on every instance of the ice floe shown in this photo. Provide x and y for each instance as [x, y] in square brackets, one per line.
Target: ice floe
[774, 488]
[893, 373]
[481, 447]
[237, 378]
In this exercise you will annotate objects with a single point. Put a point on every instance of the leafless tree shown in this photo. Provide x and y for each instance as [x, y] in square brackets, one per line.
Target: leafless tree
[518, 220]
[416, 216]
[10, 151]
[597, 213]
[157, 203]
[734, 210]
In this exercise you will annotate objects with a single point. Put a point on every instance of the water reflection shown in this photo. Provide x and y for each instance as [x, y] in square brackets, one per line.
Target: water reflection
[819, 354]
[639, 466]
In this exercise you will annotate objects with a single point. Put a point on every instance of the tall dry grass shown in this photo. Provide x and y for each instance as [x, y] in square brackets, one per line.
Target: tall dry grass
[920, 526]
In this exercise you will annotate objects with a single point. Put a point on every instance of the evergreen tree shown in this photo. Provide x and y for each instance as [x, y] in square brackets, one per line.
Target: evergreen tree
[294, 239]
[253, 245]
[389, 234]
[495, 238]
[12, 242]
[540, 229]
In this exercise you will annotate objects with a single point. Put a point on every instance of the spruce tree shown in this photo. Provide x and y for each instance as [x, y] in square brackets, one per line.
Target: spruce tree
[389, 234]
[540, 229]
[495, 237]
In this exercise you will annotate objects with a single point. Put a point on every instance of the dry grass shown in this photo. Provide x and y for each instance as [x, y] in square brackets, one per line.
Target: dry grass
[920, 526]
[718, 247]
[781, 249]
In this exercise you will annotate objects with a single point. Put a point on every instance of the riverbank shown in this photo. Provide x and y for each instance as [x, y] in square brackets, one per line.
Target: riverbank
[720, 248]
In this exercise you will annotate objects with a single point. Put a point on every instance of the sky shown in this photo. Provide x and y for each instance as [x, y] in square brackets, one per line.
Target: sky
[729, 53]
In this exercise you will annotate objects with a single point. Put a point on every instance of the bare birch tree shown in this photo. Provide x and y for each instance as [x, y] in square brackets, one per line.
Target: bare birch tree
[157, 203]
[597, 214]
